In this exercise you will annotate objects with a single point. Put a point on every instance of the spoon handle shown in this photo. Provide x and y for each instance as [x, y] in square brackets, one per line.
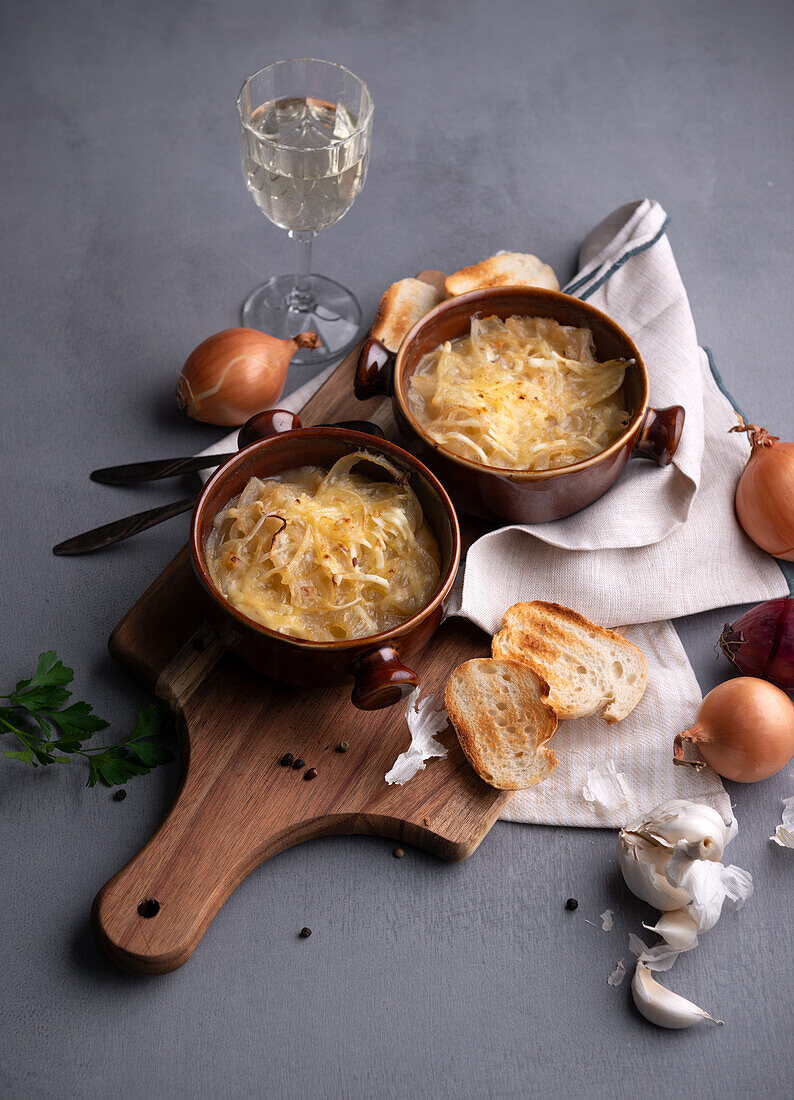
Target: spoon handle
[156, 469]
[121, 529]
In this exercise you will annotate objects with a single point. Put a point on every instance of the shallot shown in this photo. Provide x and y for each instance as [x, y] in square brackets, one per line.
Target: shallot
[744, 730]
[765, 493]
[761, 642]
[236, 373]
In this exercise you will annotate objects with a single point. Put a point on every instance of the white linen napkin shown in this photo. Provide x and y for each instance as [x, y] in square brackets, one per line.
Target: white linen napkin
[641, 747]
[660, 544]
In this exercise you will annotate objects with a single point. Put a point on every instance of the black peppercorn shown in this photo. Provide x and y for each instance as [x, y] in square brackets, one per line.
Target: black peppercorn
[287, 760]
[572, 904]
[305, 933]
[119, 796]
[311, 773]
[398, 853]
[298, 764]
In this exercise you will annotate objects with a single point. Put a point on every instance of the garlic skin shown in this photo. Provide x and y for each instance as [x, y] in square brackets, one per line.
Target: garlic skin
[708, 885]
[642, 865]
[617, 975]
[606, 787]
[677, 928]
[646, 845]
[425, 717]
[784, 832]
[663, 1007]
[660, 957]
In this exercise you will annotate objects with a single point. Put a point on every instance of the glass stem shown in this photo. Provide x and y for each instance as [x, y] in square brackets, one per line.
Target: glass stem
[301, 298]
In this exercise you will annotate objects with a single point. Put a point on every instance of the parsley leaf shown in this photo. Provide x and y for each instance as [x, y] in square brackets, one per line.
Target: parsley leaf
[78, 720]
[112, 767]
[40, 700]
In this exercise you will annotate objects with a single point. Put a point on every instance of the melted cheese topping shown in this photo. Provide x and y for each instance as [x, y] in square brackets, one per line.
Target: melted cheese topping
[522, 394]
[325, 555]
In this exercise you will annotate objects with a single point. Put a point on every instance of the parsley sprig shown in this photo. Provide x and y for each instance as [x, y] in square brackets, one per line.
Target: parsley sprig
[52, 733]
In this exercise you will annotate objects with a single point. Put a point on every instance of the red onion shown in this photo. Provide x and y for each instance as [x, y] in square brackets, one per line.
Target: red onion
[761, 642]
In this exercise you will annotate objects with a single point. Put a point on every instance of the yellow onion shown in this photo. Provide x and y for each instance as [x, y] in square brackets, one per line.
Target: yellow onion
[236, 373]
[765, 493]
[744, 730]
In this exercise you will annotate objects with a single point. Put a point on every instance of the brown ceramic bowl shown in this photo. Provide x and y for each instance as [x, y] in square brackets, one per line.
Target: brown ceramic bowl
[522, 496]
[374, 663]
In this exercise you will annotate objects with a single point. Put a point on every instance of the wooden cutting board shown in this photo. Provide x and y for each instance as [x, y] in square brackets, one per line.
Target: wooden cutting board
[236, 805]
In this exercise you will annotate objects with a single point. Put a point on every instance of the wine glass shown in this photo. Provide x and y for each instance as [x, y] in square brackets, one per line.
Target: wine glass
[305, 129]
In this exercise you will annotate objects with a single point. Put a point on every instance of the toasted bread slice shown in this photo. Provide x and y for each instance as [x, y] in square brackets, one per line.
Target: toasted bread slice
[401, 307]
[589, 669]
[502, 720]
[507, 269]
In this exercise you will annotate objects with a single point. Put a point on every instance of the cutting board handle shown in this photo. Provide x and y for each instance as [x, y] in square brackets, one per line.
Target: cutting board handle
[150, 917]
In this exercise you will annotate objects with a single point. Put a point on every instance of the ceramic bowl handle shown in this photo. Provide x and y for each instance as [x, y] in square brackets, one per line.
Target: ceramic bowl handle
[375, 370]
[267, 423]
[381, 679]
[660, 434]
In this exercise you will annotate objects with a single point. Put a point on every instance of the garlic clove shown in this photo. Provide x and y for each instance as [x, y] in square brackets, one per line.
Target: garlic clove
[677, 928]
[663, 1007]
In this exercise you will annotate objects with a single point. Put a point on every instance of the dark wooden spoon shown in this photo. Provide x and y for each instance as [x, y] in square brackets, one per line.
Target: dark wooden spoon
[261, 426]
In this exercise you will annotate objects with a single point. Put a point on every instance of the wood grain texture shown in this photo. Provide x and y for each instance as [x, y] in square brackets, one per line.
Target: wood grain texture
[236, 805]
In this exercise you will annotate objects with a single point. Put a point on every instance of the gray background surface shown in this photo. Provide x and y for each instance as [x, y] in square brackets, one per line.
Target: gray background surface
[127, 236]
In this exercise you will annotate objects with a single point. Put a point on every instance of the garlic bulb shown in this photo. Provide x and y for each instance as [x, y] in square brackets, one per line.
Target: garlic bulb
[671, 859]
[663, 1007]
[646, 845]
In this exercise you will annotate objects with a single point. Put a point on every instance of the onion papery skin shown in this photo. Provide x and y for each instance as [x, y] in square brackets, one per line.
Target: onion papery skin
[236, 373]
[744, 730]
[761, 642]
[765, 493]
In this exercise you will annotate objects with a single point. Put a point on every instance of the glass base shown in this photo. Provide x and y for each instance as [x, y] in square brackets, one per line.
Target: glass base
[328, 309]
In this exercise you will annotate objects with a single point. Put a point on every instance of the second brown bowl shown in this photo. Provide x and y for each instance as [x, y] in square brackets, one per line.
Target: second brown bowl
[521, 496]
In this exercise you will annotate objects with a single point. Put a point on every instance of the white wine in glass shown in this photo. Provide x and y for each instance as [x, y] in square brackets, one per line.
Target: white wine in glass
[305, 129]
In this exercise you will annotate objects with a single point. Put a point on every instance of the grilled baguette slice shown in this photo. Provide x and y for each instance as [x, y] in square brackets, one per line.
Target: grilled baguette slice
[589, 669]
[507, 269]
[502, 720]
[401, 307]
